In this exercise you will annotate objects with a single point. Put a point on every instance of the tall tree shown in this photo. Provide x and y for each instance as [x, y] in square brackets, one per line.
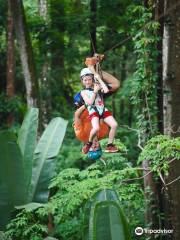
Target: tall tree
[43, 8]
[43, 77]
[147, 116]
[159, 10]
[26, 53]
[10, 60]
[171, 76]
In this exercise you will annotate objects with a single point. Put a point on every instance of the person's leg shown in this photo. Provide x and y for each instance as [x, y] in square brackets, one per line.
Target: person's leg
[95, 145]
[111, 122]
[95, 128]
[92, 135]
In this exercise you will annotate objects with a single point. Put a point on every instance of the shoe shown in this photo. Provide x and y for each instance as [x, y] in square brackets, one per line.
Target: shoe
[111, 148]
[86, 147]
[95, 146]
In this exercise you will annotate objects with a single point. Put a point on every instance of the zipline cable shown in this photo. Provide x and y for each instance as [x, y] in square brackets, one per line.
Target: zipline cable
[128, 38]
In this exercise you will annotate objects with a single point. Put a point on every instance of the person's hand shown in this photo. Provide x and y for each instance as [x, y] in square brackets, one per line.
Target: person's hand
[97, 76]
[97, 87]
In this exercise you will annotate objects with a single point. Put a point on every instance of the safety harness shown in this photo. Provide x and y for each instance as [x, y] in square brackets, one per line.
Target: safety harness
[93, 106]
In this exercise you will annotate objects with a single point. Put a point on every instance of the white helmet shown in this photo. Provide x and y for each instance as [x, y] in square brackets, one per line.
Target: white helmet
[85, 71]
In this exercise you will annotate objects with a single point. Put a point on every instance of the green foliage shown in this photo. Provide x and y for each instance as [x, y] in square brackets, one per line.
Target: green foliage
[3, 236]
[14, 106]
[12, 177]
[160, 150]
[72, 187]
[122, 148]
[26, 225]
[130, 138]
[70, 156]
[26, 170]
[126, 117]
[60, 44]
[50, 238]
[144, 91]
[75, 187]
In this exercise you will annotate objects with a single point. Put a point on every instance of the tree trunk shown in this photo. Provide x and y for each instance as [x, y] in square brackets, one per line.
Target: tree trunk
[43, 78]
[26, 53]
[164, 206]
[10, 61]
[166, 70]
[151, 198]
[150, 186]
[158, 16]
[171, 76]
[42, 4]
[93, 45]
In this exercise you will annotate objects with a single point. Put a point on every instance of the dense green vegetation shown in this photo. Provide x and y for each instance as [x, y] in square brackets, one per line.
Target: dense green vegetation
[62, 34]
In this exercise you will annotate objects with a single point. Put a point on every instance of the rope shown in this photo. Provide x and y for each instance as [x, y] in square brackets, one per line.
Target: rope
[92, 43]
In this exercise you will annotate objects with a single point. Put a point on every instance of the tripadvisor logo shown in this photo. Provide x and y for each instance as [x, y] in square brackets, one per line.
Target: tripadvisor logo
[139, 231]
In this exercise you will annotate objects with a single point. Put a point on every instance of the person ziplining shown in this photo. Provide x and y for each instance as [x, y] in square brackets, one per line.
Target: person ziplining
[88, 125]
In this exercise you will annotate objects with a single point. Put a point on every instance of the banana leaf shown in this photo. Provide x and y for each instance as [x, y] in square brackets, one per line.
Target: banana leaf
[99, 196]
[12, 184]
[108, 222]
[27, 140]
[106, 219]
[44, 159]
[105, 195]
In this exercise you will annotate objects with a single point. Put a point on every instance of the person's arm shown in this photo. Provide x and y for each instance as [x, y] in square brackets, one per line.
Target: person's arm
[77, 114]
[97, 76]
[102, 84]
[109, 79]
[79, 111]
[112, 81]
